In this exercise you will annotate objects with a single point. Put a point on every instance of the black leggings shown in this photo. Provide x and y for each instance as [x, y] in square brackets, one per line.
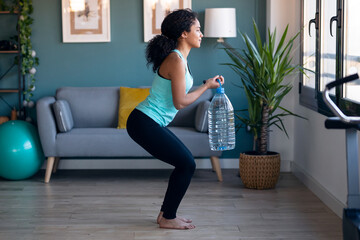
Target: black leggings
[161, 143]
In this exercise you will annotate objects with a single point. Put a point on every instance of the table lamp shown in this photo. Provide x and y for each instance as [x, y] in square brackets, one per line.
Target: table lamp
[220, 23]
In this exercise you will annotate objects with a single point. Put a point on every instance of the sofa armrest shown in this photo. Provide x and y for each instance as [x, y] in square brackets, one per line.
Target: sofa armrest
[46, 125]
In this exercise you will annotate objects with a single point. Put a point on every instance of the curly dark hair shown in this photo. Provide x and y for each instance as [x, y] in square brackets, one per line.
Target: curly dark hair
[172, 27]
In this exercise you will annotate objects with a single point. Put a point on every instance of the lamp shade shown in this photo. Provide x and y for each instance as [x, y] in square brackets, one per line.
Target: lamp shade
[220, 22]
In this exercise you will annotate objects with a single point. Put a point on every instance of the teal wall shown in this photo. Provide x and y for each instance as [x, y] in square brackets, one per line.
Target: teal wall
[121, 62]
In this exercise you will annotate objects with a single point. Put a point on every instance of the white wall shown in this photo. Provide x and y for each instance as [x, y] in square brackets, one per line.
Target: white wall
[319, 159]
[279, 14]
[317, 154]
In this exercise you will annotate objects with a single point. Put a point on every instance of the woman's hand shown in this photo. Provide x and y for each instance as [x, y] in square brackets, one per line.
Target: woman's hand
[213, 83]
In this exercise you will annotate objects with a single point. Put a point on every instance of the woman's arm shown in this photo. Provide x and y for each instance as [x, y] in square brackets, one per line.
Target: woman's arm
[176, 72]
[181, 99]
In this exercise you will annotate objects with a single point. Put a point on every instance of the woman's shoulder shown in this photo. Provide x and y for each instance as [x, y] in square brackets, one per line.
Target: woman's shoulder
[174, 55]
[174, 59]
[172, 65]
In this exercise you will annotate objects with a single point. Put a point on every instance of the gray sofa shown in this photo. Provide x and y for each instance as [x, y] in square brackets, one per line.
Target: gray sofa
[94, 132]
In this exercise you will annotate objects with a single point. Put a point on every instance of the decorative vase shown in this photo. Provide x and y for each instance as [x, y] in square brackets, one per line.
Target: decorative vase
[259, 171]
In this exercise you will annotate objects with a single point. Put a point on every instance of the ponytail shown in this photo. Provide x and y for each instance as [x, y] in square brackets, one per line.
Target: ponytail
[157, 50]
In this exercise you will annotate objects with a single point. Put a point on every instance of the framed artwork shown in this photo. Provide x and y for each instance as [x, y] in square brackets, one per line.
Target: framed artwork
[155, 12]
[86, 21]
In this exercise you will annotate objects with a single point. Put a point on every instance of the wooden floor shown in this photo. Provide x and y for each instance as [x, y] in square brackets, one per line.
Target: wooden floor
[123, 205]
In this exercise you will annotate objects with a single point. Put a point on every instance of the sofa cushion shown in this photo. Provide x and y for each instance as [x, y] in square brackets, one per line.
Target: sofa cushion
[201, 116]
[63, 116]
[112, 142]
[92, 106]
[129, 99]
[98, 142]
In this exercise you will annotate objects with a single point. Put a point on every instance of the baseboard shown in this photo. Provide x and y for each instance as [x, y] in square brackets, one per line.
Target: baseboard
[201, 163]
[325, 196]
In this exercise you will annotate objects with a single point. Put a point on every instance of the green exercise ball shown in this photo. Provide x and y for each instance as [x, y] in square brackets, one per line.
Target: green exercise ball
[21, 155]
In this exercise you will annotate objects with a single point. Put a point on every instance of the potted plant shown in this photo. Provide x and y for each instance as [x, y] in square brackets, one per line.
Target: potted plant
[262, 68]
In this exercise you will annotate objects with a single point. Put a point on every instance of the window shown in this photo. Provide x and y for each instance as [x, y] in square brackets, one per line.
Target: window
[309, 43]
[328, 43]
[352, 48]
[331, 50]
[310, 56]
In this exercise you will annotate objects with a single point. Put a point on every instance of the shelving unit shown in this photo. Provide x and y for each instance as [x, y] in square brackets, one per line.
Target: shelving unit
[3, 74]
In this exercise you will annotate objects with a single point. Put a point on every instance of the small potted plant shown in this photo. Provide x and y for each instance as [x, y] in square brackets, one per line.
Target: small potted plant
[262, 67]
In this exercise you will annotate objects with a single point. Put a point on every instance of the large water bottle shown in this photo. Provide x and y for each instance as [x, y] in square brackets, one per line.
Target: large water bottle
[221, 122]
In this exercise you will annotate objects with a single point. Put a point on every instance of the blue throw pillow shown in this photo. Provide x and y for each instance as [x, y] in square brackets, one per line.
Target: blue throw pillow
[63, 116]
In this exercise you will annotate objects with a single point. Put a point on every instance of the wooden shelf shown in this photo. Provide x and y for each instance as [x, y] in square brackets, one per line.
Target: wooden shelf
[9, 90]
[10, 51]
[8, 12]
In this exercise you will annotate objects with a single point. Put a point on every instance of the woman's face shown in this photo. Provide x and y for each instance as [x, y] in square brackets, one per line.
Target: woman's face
[193, 38]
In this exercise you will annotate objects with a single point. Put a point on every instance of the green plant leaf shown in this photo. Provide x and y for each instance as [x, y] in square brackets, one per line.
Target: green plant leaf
[262, 68]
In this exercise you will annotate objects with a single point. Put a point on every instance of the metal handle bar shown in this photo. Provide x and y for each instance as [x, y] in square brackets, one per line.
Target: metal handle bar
[315, 21]
[332, 105]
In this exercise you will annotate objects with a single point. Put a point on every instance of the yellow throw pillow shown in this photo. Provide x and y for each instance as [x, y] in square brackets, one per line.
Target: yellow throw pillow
[129, 99]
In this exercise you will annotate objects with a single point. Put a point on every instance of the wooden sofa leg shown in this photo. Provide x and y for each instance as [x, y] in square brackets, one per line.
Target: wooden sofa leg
[216, 166]
[49, 168]
[56, 164]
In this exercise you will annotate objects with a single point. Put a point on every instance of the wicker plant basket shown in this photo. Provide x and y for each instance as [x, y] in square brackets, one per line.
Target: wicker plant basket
[259, 171]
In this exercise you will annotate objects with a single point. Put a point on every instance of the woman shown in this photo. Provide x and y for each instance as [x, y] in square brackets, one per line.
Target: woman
[146, 125]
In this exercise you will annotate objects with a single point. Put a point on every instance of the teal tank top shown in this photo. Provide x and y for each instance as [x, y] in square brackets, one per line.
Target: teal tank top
[159, 104]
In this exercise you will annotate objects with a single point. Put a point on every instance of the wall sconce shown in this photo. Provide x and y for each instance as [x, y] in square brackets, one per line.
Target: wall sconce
[220, 23]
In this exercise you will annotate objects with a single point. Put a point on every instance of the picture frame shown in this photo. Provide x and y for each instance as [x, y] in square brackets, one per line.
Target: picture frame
[155, 12]
[90, 24]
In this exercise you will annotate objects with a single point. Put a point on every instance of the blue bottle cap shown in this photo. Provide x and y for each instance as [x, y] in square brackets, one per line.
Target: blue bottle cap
[220, 89]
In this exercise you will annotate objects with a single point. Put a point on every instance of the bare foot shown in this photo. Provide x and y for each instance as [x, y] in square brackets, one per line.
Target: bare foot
[185, 220]
[175, 223]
